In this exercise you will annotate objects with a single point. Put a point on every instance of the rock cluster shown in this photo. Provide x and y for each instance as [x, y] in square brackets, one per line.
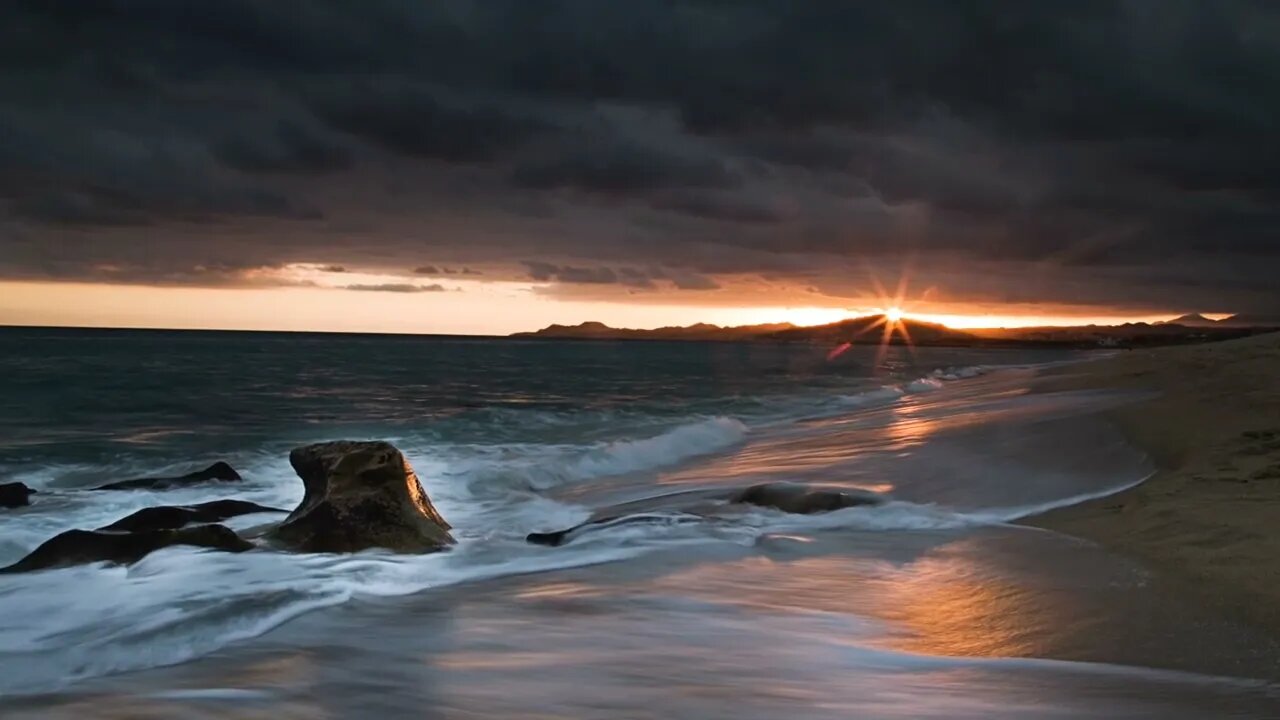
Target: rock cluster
[359, 496]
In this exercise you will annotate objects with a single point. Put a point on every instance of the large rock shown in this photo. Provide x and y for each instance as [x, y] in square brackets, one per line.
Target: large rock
[217, 472]
[359, 495]
[77, 547]
[15, 494]
[169, 517]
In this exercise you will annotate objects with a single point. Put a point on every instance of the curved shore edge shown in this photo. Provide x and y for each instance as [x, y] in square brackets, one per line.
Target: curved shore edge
[1212, 428]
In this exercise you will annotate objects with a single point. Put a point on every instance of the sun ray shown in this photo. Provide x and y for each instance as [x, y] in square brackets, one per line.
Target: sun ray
[886, 338]
[906, 339]
[892, 320]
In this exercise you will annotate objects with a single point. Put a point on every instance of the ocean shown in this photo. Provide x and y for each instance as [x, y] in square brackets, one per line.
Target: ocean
[932, 604]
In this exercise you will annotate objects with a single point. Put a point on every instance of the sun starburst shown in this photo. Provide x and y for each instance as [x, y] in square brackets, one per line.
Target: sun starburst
[892, 318]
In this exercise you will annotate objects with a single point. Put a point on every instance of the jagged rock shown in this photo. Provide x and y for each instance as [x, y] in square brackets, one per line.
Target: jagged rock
[219, 471]
[77, 547]
[359, 495]
[169, 517]
[787, 497]
[15, 494]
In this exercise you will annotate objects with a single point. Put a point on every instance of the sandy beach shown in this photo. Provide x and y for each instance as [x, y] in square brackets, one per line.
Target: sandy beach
[1212, 427]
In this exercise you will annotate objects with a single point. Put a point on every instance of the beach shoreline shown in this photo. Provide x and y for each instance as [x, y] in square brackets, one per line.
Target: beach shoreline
[1211, 426]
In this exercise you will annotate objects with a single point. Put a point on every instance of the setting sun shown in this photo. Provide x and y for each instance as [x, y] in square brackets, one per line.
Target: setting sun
[893, 314]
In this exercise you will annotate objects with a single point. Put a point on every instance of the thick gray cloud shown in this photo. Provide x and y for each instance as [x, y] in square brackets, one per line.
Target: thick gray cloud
[397, 288]
[547, 272]
[1104, 152]
[648, 278]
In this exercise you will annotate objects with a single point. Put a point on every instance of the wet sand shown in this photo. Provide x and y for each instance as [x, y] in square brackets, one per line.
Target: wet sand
[916, 625]
[1209, 514]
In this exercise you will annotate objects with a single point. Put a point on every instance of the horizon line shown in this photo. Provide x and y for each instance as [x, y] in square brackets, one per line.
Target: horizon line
[907, 316]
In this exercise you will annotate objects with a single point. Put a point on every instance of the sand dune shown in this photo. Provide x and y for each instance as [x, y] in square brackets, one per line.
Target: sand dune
[1211, 514]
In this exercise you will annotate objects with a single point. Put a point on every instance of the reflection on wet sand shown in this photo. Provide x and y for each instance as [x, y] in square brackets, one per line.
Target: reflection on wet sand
[934, 603]
[949, 610]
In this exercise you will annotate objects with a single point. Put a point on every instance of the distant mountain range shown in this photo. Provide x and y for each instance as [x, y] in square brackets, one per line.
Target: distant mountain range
[700, 331]
[870, 329]
[867, 329]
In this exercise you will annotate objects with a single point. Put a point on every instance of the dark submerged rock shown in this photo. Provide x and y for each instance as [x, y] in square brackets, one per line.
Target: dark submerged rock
[169, 517]
[560, 537]
[217, 472]
[803, 500]
[15, 494]
[77, 547]
[360, 495]
[555, 538]
[787, 497]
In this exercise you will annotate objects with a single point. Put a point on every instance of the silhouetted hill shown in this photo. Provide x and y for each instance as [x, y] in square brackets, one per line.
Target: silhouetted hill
[1251, 320]
[871, 329]
[1243, 320]
[1191, 320]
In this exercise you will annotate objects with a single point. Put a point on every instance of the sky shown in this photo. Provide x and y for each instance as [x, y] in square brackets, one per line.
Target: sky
[489, 166]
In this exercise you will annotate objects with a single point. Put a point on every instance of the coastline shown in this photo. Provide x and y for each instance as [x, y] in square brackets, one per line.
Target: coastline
[1208, 514]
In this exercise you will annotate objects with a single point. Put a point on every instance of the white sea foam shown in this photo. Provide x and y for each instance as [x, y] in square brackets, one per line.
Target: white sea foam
[933, 381]
[181, 603]
[1009, 514]
[959, 373]
[928, 384]
[878, 396]
[495, 470]
[671, 447]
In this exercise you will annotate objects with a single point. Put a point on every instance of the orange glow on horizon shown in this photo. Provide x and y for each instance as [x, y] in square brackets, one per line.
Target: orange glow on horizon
[469, 307]
[975, 321]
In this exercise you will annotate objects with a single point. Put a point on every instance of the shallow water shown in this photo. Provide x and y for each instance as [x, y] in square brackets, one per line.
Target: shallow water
[926, 606]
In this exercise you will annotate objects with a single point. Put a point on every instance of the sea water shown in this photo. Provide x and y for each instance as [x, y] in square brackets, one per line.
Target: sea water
[930, 604]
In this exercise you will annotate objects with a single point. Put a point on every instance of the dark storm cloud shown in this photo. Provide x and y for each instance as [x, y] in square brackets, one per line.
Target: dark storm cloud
[427, 122]
[733, 207]
[288, 148]
[623, 168]
[781, 138]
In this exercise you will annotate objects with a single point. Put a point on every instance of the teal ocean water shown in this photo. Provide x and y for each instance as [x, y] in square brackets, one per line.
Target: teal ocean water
[929, 605]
